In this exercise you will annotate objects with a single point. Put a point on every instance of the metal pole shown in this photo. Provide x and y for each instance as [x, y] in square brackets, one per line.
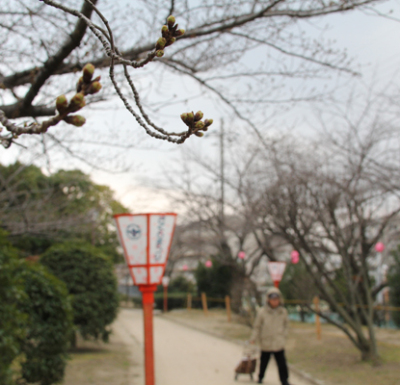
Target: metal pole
[148, 304]
[222, 172]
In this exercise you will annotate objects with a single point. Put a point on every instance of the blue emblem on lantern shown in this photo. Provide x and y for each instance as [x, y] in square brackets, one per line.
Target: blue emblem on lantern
[133, 231]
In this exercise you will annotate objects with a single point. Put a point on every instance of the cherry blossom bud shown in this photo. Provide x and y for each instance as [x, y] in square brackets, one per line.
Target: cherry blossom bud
[184, 117]
[189, 118]
[79, 84]
[199, 125]
[61, 104]
[171, 21]
[160, 53]
[88, 71]
[165, 31]
[198, 116]
[208, 122]
[179, 32]
[161, 43]
[200, 134]
[172, 40]
[75, 120]
[94, 88]
[77, 102]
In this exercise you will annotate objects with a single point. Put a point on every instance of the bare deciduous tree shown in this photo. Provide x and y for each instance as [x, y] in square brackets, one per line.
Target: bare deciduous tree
[331, 199]
[333, 203]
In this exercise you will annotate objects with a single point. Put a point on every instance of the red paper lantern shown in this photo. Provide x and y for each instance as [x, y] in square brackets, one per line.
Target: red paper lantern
[379, 247]
[295, 256]
[241, 255]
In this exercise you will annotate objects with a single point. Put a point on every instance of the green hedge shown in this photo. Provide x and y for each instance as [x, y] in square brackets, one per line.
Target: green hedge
[215, 281]
[35, 321]
[49, 325]
[178, 289]
[90, 279]
[12, 320]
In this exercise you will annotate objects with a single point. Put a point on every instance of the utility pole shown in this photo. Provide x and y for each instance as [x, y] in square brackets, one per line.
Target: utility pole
[222, 173]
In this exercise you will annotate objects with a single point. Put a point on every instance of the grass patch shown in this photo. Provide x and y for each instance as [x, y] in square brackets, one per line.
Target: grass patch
[335, 360]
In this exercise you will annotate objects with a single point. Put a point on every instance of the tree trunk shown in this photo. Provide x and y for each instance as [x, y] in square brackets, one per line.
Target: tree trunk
[370, 354]
[74, 340]
[237, 288]
[241, 284]
[302, 314]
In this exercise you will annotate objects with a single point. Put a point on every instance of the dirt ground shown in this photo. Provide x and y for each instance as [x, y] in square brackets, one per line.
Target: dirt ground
[333, 360]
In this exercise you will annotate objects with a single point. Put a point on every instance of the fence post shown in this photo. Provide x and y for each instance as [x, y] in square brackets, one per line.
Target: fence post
[204, 303]
[386, 303]
[317, 318]
[228, 307]
[189, 301]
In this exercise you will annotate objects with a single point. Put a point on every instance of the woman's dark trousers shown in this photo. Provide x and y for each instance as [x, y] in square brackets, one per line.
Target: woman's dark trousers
[281, 362]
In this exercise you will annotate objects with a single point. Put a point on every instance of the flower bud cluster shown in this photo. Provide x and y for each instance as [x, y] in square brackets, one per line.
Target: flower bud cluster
[86, 86]
[169, 34]
[194, 122]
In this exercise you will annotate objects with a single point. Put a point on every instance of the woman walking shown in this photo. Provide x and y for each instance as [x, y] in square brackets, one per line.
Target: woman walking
[270, 332]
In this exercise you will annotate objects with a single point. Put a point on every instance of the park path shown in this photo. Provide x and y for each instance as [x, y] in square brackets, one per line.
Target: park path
[184, 356]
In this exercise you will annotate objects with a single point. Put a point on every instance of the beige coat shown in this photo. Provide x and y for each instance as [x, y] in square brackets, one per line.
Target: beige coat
[271, 326]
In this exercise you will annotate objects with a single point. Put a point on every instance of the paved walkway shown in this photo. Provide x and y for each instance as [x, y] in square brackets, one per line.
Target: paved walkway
[184, 356]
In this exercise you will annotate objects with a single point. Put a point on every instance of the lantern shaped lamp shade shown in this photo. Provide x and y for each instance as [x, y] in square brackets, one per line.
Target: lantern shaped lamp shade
[146, 240]
[295, 256]
[379, 247]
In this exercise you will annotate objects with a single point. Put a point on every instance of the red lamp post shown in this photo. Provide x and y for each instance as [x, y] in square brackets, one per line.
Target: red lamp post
[146, 241]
